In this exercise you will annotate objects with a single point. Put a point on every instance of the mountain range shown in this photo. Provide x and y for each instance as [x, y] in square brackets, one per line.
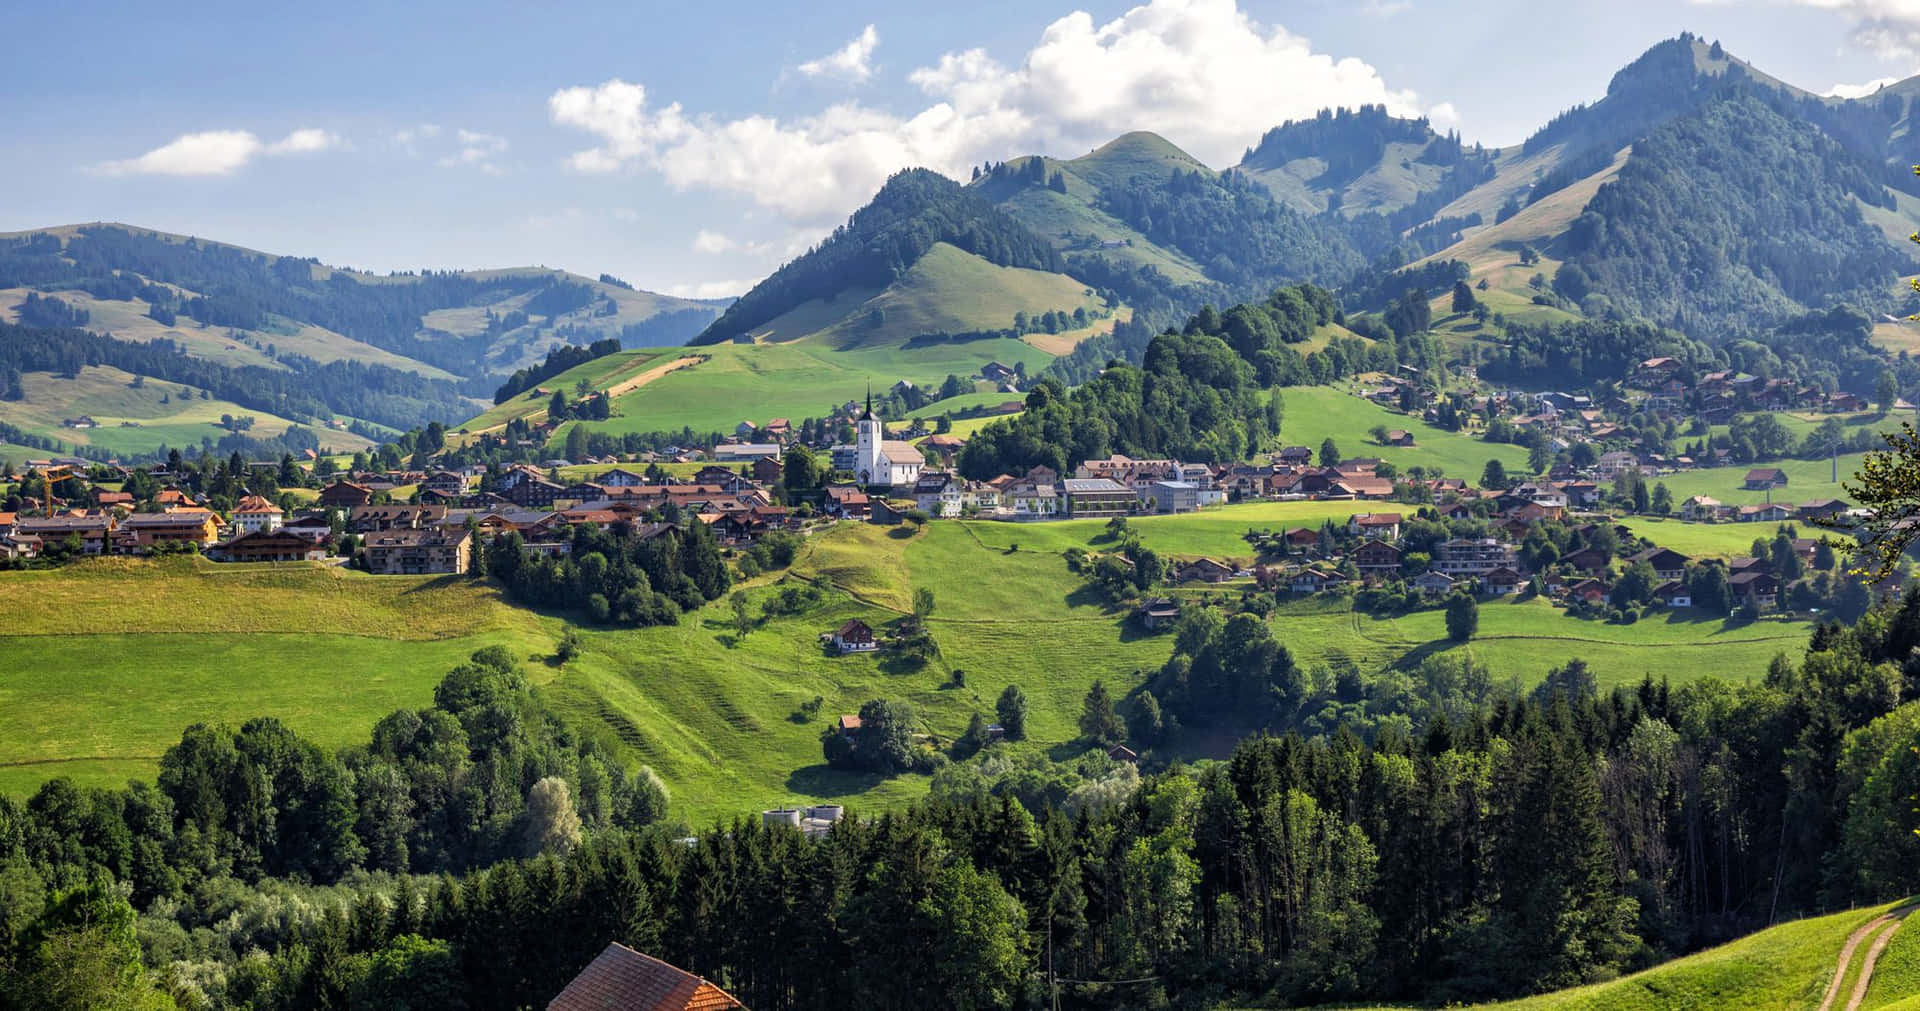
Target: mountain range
[1698, 193]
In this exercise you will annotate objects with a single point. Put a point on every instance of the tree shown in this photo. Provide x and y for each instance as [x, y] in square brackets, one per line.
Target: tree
[1540, 456]
[1463, 300]
[552, 826]
[1463, 617]
[801, 471]
[1494, 476]
[1099, 722]
[1642, 501]
[922, 605]
[1329, 453]
[1887, 485]
[1379, 434]
[1885, 391]
[980, 933]
[1710, 590]
[742, 613]
[1012, 712]
[1662, 501]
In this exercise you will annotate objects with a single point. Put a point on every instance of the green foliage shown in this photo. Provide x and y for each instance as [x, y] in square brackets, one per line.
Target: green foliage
[1099, 722]
[1463, 617]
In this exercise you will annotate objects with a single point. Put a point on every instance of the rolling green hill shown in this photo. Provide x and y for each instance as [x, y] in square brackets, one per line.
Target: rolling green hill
[134, 420]
[105, 662]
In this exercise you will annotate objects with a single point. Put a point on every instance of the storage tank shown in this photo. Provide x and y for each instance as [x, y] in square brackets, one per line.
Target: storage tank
[827, 812]
[789, 816]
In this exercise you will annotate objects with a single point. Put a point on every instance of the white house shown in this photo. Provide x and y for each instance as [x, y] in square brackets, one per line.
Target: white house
[257, 515]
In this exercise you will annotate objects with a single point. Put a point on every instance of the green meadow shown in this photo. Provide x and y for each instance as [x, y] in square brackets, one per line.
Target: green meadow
[105, 662]
[1317, 413]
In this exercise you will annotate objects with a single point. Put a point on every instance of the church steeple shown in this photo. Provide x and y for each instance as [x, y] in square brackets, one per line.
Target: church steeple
[868, 416]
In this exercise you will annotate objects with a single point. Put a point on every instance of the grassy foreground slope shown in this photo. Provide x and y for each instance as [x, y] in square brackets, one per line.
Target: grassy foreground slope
[102, 664]
[1781, 968]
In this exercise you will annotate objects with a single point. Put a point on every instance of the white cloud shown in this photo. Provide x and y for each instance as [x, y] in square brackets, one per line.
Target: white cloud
[218, 152]
[1860, 90]
[305, 141]
[1200, 72]
[711, 242]
[1889, 29]
[851, 62]
[712, 289]
[477, 150]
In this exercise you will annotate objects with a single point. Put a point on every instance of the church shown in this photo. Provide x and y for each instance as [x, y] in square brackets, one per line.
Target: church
[880, 462]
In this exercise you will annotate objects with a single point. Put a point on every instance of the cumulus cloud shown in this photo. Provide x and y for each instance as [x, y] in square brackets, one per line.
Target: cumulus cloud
[1200, 72]
[218, 152]
[478, 150]
[712, 242]
[851, 62]
[1889, 29]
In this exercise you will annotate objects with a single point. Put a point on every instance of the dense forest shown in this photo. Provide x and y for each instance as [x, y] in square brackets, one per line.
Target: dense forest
[913, 211]
[1234, 229]
[614, 575]
[1771, 212]
[1502, 845]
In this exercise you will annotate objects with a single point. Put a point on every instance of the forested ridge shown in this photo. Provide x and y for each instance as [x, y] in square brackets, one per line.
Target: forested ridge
[914, 210]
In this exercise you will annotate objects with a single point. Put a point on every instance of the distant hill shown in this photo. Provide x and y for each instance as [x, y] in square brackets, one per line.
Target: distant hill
[451, 334]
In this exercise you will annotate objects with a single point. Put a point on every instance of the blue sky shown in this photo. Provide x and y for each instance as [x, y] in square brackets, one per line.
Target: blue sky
[693, 147]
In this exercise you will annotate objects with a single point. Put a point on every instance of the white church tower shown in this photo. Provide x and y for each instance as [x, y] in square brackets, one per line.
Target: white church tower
[870, 461]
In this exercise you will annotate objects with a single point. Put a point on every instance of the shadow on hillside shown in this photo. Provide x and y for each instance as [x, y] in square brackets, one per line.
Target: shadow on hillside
[1411, 659]
[823, 780]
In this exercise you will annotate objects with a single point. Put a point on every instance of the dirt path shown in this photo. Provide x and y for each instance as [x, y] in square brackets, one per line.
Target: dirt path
[629, 385]
[1854, 941]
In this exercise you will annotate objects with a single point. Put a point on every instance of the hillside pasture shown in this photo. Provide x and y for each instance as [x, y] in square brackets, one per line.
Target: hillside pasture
[1317, 413]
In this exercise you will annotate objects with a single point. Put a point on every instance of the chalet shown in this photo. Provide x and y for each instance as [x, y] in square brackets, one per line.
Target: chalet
[1378, 559]
[255, 514]
[846, 502]
[1654, 371]
[143, 531]
[1763, 478]
[735, 529]
[617, 478]
[1203, 570]
[1772, 512]
[345, 495]
[1820, 509]
[1845, 403]
[1584, 494]
[1701, 508]
[745, 430]
[1301, 540]
[435, 551]
[1399, 437]
[369, 519]
[110, 499]
[1361, 487]
[1312, 580]
[1502, 582]
[1757, 588]
[1614, 463]
[1157, 613]
[1591, 560]
[1295, 456]
[1122, 753]
[996, 373]
[446, 482]
[1589, 590]
[767, 470]
[853, 637]
[780, 429]
[1377, 526]
[1746, 563]
[623, 979]
[1097, 497]
[937, 493]
[268, 546]
[1433, 584]
[534, 493]
[1667, 563]
[1674, 593]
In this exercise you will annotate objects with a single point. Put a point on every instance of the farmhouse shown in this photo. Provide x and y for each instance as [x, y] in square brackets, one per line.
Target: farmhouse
[268, 546]
[1757, 588]
[1701, 507]
[1502, 582]
[1667, 563]
[1377, 526]
[1157, 613]
[1763, 478]
[853, 637]
[1203, 570]
[1377, 558]
[1433, 584]
[622, 978]
[434, 551]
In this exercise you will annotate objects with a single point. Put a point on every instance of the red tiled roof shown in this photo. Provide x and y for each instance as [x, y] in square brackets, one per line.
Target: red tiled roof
[622, 979]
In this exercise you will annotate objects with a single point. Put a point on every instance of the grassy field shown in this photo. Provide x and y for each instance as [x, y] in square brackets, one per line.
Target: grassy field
[601, 373]
[110, 398]
[1710, 540]
[1314, 413]
[107, 661]
[1778, 969]
[104, 663]
[1807, 480]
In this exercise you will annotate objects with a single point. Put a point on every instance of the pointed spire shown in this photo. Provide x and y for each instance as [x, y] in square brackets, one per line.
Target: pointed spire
[868, 416]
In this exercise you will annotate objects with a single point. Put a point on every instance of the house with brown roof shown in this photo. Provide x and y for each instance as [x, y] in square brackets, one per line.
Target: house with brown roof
[345, 495]
[855, 636]
[622, 979]
[1667, 563]
[94, 531]
[255, 513]
[268, 546]
[1763, 478]
[1157, 613]
[1377, 558]
[143, 531]
[1377, 526]
[368, 519]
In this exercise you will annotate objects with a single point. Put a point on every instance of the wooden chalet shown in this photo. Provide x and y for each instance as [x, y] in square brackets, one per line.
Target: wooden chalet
[622, 979]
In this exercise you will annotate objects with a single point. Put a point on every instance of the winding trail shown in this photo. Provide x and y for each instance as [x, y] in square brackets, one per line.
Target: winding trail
[1872, 929]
